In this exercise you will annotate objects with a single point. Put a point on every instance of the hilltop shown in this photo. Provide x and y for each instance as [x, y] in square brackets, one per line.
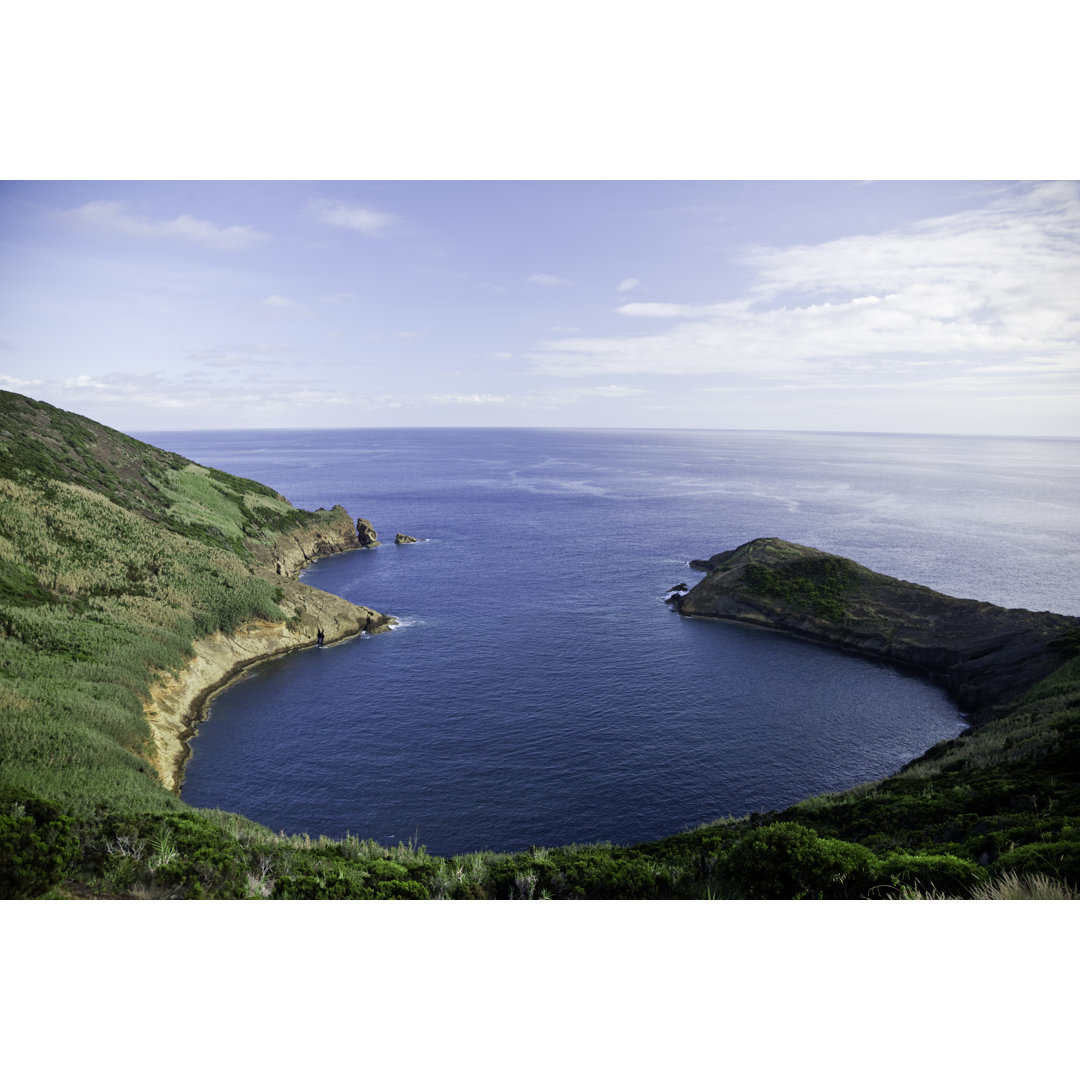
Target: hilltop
[134, 581]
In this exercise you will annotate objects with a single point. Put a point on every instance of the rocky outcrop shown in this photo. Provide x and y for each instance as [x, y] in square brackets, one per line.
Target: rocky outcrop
[178, 702]
[366, 534]
[982, 654]
[331, 534]
[402, 538]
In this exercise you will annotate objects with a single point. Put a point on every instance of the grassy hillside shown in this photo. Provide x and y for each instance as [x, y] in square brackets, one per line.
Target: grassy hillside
[116, 556]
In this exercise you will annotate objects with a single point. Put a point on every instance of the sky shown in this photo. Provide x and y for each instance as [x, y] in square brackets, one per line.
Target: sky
[800, 305]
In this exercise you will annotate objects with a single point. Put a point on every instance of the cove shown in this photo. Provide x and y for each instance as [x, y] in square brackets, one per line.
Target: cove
[537, 690]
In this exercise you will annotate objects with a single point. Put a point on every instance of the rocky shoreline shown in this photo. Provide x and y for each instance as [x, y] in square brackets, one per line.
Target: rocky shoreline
[179, 702]
[982, 654]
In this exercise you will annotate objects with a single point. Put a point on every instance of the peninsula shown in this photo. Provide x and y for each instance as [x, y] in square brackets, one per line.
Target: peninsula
[982, 654]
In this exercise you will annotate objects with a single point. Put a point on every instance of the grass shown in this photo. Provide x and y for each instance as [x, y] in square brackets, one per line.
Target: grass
[820, 585]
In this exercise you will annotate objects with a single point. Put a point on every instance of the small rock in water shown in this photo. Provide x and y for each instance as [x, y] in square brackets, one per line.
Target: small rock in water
[401, 538]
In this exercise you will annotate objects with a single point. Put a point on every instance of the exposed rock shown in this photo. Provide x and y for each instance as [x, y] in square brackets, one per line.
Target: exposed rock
[401, 538]
[178, 700]
[981, 653]
[681, 587]
[292, 551]
[366, 533]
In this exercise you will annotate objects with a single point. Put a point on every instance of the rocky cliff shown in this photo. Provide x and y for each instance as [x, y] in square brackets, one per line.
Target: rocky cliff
[178, 700]
[366, 533]
[334, 533]
[982, 654]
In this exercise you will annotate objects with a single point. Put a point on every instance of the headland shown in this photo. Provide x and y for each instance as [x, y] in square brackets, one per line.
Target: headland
[984, 655]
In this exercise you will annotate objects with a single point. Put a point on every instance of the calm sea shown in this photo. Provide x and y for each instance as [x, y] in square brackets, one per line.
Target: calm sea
[538, 691]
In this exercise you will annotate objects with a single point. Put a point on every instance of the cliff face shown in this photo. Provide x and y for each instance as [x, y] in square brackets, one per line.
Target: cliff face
[178, 701]
[981, 653]
[333, 533]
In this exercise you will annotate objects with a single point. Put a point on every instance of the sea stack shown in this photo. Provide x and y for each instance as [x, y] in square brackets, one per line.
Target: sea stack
[366, 534]
[402, 538]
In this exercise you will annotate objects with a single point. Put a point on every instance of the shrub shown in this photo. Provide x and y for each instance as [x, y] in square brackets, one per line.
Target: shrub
[36, 846]
[386, 870]
[788, 861]
[946, 874]
[401, 890]
[1058, 858]
[314, 887]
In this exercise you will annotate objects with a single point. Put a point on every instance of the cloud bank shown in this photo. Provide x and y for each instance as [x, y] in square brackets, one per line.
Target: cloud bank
[967, 299]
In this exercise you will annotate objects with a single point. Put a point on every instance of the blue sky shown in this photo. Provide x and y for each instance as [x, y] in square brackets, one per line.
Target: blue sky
[809, 305]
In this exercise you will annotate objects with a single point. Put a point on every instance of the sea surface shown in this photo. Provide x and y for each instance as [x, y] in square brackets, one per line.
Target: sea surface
[537, 690]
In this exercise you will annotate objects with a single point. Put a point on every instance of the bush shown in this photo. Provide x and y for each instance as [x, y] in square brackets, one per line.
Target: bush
[36, 846]
[1058, 858]
[401, 890]
[788, 861]
[940, 873]
[386, 870]
[313, 887]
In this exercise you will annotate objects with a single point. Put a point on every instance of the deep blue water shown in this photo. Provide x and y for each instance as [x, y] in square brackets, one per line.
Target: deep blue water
[538, 691]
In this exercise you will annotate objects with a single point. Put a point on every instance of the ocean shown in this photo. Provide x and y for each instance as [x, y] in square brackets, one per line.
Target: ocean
[538, 691]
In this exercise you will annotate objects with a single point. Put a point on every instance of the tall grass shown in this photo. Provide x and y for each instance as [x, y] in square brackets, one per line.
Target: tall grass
[96, 602]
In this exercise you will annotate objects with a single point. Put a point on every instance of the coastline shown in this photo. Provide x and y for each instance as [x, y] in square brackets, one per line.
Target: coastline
[178, 702]
[983, 655]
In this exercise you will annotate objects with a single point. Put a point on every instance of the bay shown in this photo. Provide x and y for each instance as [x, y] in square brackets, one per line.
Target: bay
[537, 689]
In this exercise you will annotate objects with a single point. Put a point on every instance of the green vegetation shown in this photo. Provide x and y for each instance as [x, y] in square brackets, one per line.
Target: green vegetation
[115, 556]
[819, 585]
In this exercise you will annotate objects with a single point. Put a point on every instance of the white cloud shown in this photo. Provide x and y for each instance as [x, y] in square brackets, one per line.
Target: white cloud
[960, 294]
[112, 217]
[13, 382]
[660, 311]
[468, 399]
[547, 279]
[358, 218]
[570, 395]
[611, 391]
[207, 392]
[628, 284]
[279, 303]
